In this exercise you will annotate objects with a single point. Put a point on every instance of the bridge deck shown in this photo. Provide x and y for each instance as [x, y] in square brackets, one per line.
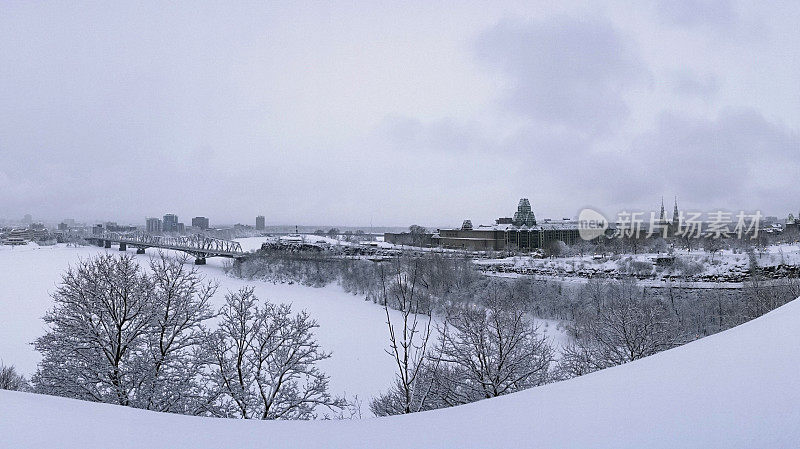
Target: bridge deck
[196, 245]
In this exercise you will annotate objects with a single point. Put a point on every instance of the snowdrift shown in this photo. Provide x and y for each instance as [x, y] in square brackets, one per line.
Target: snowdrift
[739, 388]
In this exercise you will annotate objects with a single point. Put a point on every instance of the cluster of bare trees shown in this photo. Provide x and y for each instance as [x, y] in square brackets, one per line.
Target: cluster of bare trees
[150, 338]
[478, 351]
[454, 345]
[624, 325]
[441, 279]
[659, 244]
[120, 334]
[262, 360]
[456, 336]
[308, 265]
[10, 379]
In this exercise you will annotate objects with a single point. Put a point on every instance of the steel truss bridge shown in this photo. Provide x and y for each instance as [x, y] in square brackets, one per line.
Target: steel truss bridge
[197, 245]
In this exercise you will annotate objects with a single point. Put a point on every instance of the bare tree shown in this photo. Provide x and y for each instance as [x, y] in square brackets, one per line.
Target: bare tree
[583, 247]
[121, 335]
[98, 327]
[713, 246]
[417, 234]
[262, 361]
[628, 327]
[408, 339]
[11, 380]
[181, 301]
[490, 352]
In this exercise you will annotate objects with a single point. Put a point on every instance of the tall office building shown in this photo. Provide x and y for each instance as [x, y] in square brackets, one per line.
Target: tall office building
[200, 222]
[153, 225]
[170, 223]
[260, 223]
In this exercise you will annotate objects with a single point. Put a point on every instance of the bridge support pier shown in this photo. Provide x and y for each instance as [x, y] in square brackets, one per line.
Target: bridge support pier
[123, 247]
[200, 261]
[139, 250]
[107, 243]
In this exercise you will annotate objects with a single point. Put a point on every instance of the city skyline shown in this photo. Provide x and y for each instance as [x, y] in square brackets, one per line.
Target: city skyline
[261, 225]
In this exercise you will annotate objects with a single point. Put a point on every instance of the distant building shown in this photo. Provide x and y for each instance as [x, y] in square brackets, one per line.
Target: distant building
[260, 224]
[522, 232]
[792, 226]
[63, 226]
[18, 237]
[97, 229]
[524, 215]
[27, 219]
[112, 226]
[200, 222]
[38, 231]
[180, 228]
[408, 238]
[154, 225]
[170, 223]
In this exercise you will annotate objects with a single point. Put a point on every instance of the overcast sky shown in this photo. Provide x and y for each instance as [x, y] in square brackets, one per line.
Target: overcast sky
[396, 113]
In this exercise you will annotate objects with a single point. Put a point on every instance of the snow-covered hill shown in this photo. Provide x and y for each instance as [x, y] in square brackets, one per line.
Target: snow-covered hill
[739, 388]
[354, 330]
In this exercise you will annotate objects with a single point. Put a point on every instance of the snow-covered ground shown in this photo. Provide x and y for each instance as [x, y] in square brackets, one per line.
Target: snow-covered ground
[735, 389]
[696, 265]
[254, 243]
[352, 329]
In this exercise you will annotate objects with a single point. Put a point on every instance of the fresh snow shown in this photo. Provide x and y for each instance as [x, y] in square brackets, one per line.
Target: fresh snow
[352, 329]
[722, 264]
[735, 389]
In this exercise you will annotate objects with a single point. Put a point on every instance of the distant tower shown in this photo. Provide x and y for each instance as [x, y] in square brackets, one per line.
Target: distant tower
[524, 215]
[662, 218]
[676, 220]
[154, 225]
[260, 223]
[170, 223]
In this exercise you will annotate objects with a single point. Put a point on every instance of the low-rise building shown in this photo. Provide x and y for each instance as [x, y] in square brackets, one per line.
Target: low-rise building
[18, 236]
[520, 232]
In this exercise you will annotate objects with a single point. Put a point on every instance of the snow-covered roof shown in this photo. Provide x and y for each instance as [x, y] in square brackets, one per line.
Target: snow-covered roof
[571, 225]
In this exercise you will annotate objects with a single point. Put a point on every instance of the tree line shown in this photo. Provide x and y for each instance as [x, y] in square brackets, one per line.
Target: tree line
[151, 338]
[449, 344]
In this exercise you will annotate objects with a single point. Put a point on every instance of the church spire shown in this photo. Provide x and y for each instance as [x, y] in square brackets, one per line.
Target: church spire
[662, 217]
[675, 214]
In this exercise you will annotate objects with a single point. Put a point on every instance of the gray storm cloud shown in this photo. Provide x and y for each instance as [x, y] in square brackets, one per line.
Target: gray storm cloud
[350, 114]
